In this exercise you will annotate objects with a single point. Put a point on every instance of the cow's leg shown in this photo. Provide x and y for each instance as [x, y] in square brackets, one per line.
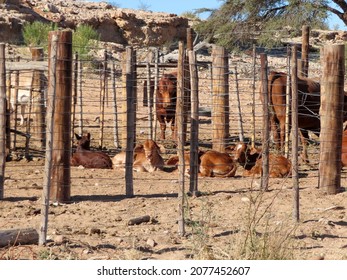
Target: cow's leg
[282, 136]
[304, 137]
[173, 129]
[162, 123]
[275, 133]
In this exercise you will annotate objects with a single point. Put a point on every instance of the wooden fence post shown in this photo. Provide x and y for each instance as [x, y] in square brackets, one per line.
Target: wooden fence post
[253, 94]
[115, 104]
[220, 99]
[239, 111]
[3, 105]
[266, 126]
[60, 190]
[180, 137]
[331, 116]
[38, 98]
[305, 50]
[129, 76]
[295, 136]
[194, 124]
[52, 61]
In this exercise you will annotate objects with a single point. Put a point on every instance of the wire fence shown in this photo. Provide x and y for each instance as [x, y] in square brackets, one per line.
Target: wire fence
[98, 107]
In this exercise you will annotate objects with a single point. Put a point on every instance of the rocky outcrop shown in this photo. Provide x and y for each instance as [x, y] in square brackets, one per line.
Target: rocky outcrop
[122, 26]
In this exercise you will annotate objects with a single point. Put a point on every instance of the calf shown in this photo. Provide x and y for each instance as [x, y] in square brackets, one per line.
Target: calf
[251, 160]
[118, 161]
[173, 161]
[215, 163]
[148, 158]
[87, 158]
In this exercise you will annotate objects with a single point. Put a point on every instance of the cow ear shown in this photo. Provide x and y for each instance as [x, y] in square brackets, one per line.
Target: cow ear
[88, 135]
[77, 136]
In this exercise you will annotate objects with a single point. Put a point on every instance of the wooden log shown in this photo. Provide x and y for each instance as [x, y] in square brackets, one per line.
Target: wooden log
[13, 237]
[331, 114]
[139, 220]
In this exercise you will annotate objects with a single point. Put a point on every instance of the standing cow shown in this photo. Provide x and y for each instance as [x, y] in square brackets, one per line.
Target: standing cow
[166, 103]
[308, 110]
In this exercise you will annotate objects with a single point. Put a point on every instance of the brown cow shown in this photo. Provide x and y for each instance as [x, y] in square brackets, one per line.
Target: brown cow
[148, 158]
[166, 103]
[344, 149]
[173, 161]
[215, 163]
[308, 111]
[87, 158]
[251, 160]
[119, 159]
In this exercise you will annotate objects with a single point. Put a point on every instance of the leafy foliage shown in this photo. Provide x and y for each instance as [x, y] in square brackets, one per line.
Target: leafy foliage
[84, 38]
[240, 23]
[36, 34]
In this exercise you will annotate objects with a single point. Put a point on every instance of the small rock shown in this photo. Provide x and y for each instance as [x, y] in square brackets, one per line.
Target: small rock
[151, 242]
[94, 231]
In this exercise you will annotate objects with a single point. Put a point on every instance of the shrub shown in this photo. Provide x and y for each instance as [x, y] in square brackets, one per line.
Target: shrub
[84, 38]
[36, 34]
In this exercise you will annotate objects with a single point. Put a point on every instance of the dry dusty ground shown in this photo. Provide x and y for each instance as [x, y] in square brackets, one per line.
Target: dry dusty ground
[232, 219]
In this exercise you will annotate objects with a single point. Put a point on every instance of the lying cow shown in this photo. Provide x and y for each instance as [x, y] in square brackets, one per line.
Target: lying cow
[118, 161]
[251, 160]
[87, 158]
[147, 158]
[215, 163]
[173, 161]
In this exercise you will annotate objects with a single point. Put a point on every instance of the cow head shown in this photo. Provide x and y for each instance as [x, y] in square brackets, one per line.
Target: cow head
[167, 90]
[83, 141]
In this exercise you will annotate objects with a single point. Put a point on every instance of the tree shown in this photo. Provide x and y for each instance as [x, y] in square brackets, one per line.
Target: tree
[239, 23]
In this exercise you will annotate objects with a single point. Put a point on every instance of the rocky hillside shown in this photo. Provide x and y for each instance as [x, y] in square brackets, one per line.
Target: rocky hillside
[122, 26]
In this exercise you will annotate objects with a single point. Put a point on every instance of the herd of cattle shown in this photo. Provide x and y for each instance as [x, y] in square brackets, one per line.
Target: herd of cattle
[147, 156]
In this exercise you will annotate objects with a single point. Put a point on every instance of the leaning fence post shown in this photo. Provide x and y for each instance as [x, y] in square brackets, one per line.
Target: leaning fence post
[3, 104]
[49, 138]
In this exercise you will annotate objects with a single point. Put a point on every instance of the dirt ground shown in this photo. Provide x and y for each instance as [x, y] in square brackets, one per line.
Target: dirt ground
[232, 219]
